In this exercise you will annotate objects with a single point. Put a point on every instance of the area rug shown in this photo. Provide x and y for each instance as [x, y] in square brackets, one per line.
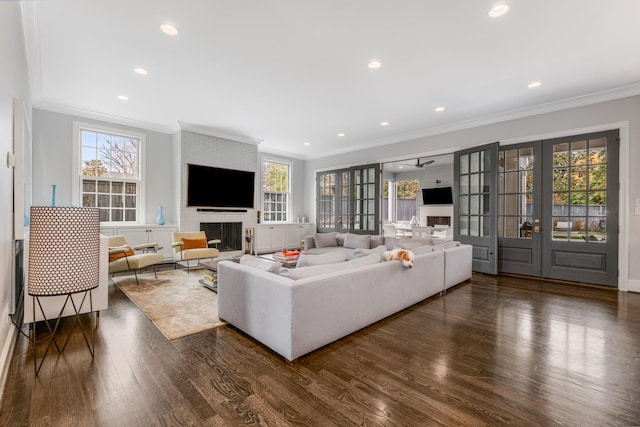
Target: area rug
[176, 303]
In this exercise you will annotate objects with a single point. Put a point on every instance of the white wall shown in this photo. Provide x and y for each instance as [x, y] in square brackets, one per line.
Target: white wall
[13, 84]
[622, 113]
[52, 164]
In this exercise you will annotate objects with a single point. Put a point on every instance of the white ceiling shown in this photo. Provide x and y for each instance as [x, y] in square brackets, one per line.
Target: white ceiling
[286, 72]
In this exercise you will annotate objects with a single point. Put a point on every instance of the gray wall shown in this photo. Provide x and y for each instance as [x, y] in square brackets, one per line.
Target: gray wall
[565, 122]
[52, 164]
[13, 84]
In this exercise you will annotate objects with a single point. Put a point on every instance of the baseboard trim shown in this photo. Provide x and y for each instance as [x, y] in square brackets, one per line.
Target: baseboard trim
[633, 285]
[5, 357]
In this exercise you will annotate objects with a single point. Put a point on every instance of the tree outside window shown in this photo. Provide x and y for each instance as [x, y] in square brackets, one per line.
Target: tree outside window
[109, 175]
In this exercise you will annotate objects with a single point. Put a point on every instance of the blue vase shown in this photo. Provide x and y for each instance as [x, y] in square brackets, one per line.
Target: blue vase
[160, 219]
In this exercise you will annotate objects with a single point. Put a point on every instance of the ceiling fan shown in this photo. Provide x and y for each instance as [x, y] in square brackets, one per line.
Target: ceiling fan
[419, 165]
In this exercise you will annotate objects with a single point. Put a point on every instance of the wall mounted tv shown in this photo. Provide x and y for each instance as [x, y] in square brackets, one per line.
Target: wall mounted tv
[218, 188]
[437, 196]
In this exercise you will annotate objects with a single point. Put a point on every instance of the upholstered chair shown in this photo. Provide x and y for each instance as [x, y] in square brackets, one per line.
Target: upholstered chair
[123, 257]
[193, 246]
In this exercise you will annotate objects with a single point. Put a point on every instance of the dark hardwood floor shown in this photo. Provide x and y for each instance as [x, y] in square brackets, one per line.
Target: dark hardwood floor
[492, 351]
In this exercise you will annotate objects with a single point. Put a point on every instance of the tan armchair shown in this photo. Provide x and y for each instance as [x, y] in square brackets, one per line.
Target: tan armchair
[193, 245]
[123, 258]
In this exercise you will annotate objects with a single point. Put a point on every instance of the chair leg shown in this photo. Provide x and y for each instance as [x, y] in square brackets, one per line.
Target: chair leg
[136, 274]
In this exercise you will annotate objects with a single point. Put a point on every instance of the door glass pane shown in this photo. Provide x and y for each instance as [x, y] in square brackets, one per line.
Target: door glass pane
[510, 205]
[511, 182]
[561, 228]
[485, 229]
[463, 205]
[526, 227]
[560, 154]
[464, 184]
[464, 225]
[578, 178]
[485, 161]
[485, 207]
[474, 162]
[511, 160]
[474, 183]
[511, 227]
[474, 207]
[598, 177]
[578, 153]
[464, 163]
[560, 179]
[474, 226]
[598, 151]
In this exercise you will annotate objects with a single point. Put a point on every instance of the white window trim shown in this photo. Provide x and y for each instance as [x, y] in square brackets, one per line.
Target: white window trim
[290, 203]
[77, 162]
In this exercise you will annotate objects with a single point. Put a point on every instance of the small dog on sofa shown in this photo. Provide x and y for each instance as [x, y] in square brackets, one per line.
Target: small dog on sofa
[404, 256]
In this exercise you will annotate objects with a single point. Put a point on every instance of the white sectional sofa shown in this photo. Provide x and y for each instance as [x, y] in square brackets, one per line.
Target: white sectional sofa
[314, 306]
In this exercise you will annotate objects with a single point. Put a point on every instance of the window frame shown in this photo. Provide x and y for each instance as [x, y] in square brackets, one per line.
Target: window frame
[288, 193]
[76, 170]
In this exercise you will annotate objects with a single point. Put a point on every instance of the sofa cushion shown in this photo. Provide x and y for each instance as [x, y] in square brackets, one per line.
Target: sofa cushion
[409, 245]
[194, 243]
[261, 264]
[360, 252]
[325, 240]
[340, 238]
[332, 257]
[317, 270]
[354, 241]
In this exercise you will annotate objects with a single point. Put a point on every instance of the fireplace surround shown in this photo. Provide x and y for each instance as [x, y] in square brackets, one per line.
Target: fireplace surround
[229, 233]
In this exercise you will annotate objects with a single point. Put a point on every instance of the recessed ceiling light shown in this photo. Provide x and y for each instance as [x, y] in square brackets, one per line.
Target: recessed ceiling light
[384, 123]
[400, 167]
[375, 64]
[123, 97]
[306, 143]
[141, 71]
[169, 29]
[534, 84]
[341, 134]
[498, 9]
[438, 109]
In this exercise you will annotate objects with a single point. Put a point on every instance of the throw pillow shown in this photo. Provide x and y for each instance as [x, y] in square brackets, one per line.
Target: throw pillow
[261, 264]
[355, 241]
[194, 243]
[118, 255]
[376, 240]
[325, 240]
[328, 258]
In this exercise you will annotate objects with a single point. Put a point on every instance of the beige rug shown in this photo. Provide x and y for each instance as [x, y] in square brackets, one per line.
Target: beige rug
[175, 302]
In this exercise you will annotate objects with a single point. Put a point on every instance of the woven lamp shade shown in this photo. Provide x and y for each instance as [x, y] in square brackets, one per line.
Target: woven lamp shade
[64, 250]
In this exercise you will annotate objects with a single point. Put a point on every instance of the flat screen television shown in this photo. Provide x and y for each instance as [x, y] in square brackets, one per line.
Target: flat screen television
[219, 188]
[437, 196]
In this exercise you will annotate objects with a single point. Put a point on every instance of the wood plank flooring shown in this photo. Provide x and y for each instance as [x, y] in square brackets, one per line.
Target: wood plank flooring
[492, 351]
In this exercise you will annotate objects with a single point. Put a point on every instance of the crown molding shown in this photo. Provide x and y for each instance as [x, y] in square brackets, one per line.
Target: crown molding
[205, 130]
[92, 115]
[550, 107]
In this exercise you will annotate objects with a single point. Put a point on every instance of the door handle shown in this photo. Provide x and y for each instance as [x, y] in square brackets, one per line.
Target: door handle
[536, 227]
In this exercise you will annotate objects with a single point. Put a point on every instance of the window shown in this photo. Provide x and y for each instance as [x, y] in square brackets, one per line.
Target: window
[276, 189]
[109, 173]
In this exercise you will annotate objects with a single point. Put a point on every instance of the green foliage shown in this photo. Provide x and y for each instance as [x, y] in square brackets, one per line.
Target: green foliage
[404, 189]
[575, 176]
[275, 177]
[94, 168]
